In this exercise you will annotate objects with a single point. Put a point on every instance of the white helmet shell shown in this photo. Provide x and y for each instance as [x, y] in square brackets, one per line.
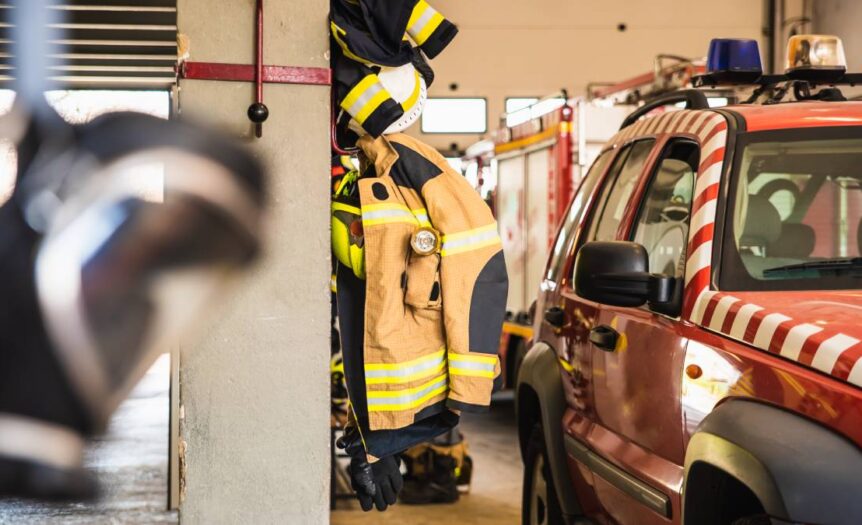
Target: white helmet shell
[407, 87]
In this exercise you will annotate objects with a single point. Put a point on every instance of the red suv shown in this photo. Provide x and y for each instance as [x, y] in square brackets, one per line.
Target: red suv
[698, 347]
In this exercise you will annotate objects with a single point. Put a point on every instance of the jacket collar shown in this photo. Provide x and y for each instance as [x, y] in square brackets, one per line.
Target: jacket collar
[379, 151]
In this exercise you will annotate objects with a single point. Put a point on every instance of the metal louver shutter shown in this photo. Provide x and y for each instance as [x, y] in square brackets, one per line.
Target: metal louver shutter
[107, 43]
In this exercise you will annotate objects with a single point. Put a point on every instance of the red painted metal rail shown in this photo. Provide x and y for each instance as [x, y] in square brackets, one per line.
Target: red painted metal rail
[317, 76]
[257, 73]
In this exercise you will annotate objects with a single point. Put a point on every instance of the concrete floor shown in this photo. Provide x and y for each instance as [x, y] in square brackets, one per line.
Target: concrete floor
[130, 460]
[495, 498]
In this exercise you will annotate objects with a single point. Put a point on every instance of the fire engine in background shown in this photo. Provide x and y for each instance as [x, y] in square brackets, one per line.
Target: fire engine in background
[530, 168]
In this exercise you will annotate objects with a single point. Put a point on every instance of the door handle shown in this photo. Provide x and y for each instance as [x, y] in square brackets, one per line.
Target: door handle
[555, 316]
[604, 337]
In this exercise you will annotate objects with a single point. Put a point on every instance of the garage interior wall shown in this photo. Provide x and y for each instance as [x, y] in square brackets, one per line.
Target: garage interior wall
[254, 390]
[509, 48]
[842, 18]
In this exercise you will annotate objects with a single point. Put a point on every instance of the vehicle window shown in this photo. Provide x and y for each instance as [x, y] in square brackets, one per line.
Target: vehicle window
[663, 219]
[566, 236]
[796, 219]
[618, 189]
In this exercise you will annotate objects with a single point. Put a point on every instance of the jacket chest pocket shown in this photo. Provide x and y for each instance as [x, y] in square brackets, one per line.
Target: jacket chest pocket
[421, 281]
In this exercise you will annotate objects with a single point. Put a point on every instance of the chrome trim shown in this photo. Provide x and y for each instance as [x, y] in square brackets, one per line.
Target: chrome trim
[645, 494]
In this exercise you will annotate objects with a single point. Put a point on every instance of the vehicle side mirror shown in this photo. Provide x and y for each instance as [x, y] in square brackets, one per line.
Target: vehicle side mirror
[617, 273]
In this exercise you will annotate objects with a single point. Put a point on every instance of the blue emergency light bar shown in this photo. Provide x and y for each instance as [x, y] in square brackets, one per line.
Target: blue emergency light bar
[733, 60]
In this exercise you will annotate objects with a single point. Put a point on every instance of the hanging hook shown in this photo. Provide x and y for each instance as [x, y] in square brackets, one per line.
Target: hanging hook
[258, 112]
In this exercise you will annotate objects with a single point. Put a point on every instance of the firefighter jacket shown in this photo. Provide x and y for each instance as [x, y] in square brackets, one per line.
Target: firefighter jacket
[425, 327]
[368, 34]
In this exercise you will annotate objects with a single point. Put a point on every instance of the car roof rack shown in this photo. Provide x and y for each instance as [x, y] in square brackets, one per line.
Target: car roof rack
[693, 99]
[709, 80]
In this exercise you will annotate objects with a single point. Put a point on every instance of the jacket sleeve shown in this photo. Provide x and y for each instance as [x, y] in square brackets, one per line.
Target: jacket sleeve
[473, 279]
[360, 94]
[430, 30]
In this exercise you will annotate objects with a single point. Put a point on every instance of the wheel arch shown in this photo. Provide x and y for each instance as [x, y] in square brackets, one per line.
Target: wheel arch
[797, 469]
[540, 399]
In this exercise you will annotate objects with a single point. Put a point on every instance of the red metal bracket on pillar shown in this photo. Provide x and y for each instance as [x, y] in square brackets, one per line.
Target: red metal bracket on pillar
[257, 73]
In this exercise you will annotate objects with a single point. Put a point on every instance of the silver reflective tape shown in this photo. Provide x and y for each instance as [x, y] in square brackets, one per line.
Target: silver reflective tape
[365, 98]
[421, 217]
[406, 371]
[420, 24]
[472, 239]
[472, 365]
[407, 398]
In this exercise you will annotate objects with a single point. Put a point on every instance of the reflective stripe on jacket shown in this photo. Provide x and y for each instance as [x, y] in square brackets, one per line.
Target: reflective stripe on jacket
[431, 323]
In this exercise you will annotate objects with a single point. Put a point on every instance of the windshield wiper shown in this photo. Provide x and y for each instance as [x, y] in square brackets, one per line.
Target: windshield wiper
[837, 265]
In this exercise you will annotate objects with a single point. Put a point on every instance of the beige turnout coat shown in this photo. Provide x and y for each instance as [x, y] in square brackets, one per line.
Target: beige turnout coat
[432, 323]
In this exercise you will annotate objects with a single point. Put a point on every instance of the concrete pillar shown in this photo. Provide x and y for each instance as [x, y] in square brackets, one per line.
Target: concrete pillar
[254, 389]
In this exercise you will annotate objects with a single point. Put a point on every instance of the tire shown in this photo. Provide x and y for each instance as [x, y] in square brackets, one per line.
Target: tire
[520, 352]
[539, 505]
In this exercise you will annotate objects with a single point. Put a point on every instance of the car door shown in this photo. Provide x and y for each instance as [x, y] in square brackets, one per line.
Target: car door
[581, 315]
[557, 305]
[638, 353]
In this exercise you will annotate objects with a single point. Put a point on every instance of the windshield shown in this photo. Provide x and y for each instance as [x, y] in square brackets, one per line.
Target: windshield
[794, 218]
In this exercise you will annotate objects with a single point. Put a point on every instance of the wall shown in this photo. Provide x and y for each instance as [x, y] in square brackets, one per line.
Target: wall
[255, 389]
[510, 48]
[842, 18]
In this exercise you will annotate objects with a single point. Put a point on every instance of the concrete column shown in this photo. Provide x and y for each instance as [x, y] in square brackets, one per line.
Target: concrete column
[254, 389]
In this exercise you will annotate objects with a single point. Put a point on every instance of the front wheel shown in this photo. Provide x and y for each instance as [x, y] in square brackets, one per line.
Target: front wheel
[539, 505]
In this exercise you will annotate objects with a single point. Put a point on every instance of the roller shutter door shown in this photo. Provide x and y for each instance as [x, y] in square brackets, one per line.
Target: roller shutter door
[106, 43]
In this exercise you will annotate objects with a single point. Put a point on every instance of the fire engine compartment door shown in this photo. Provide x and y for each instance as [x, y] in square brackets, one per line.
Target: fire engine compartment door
[539, 206]
[510, 220]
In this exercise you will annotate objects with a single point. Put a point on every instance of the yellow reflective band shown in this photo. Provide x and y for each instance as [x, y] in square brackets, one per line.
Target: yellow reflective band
[371, 106]
[358, 90]
[473, 364]
[389, 394]
[390, 373]
[387, 217]
[466, 372]
[384, 206]
[566, 365]
[406, 364]
[365, 97]
[408, 104]
[470, 240]
[393, 401]
[400, 379]
[418, 10]
[424, 20]
[332, 284]
[430, 27]
[474, 357]
[421, 215]
[374, 214]
[469, 233]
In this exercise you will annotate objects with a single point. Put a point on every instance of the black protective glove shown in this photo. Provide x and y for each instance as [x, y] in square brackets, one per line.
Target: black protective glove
[376, 484]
